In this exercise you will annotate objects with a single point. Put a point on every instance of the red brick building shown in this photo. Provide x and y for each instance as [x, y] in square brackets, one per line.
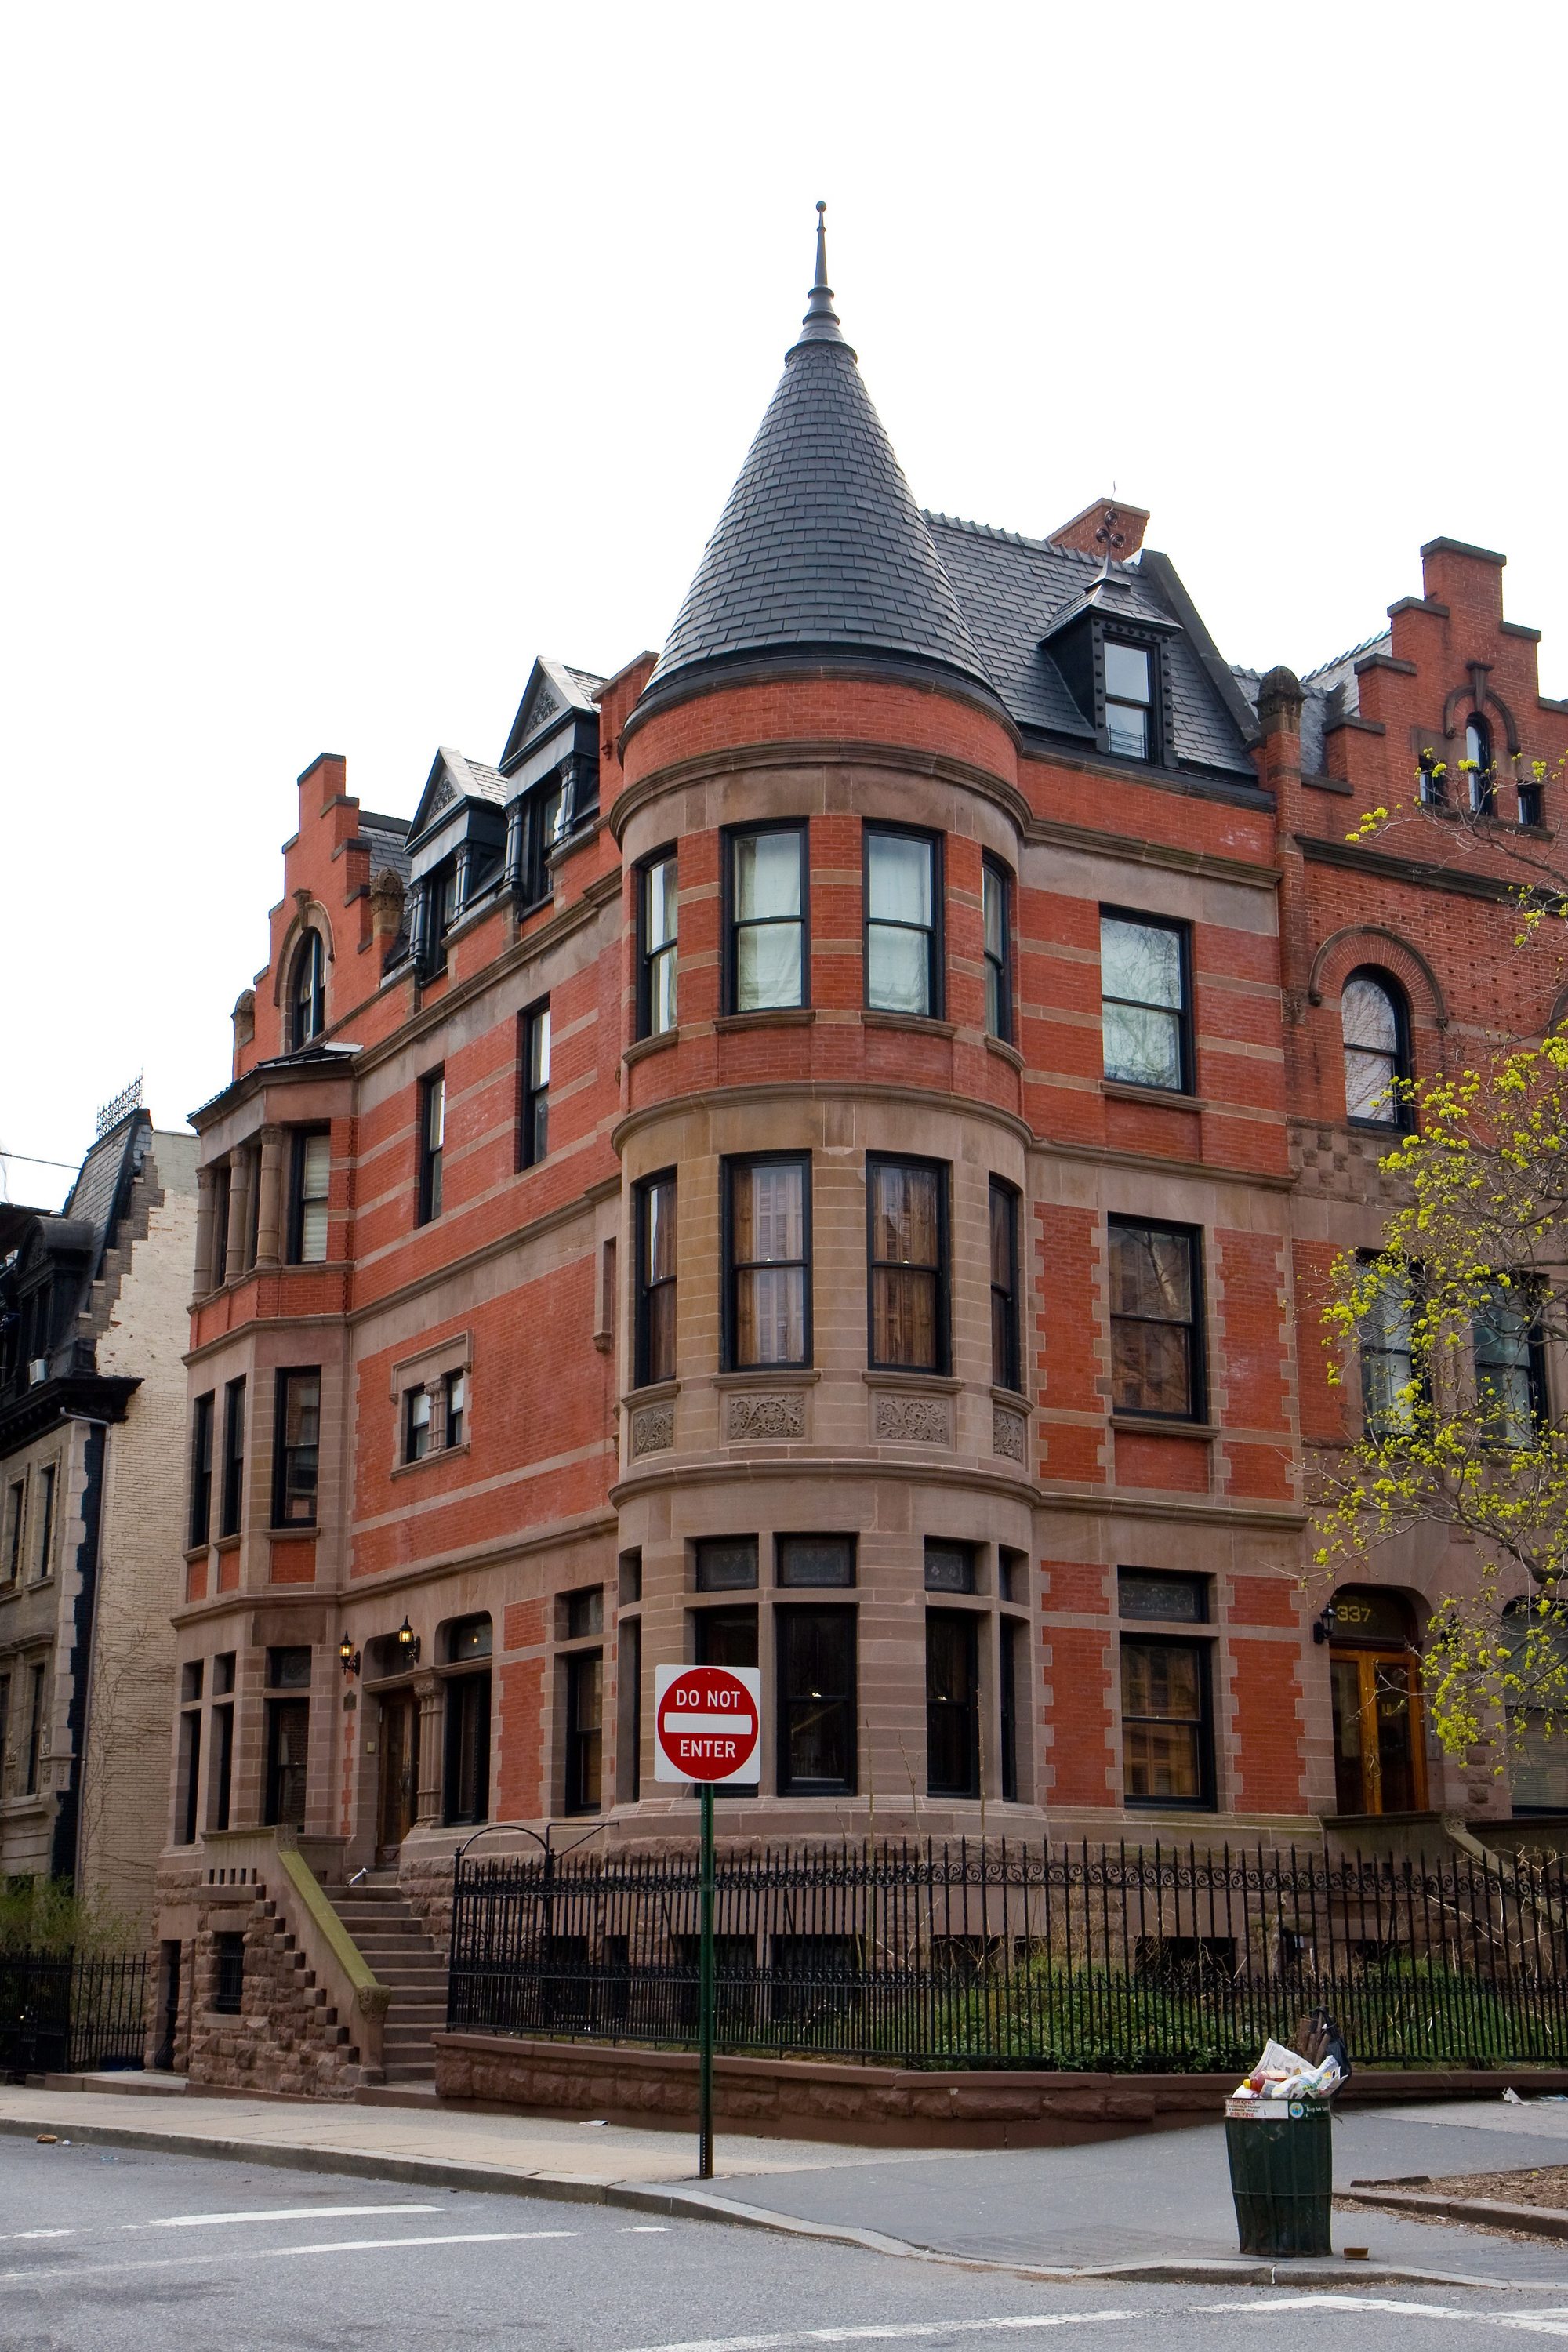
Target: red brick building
[820, 1158]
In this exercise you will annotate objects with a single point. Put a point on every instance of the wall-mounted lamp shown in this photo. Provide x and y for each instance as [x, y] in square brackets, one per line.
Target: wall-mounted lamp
[1324, 1623]
[349, 1657]
[407, 1645]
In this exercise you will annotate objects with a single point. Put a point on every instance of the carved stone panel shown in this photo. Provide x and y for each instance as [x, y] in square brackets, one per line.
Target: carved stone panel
[653, 1430]
[911, 1420]
[755, 1414]
[1009, 1434]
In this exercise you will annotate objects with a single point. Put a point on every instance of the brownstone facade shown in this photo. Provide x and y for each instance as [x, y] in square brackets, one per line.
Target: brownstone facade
[541, 1387]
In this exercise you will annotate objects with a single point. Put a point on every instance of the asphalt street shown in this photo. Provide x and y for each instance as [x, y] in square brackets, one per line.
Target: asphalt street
[127, 2252]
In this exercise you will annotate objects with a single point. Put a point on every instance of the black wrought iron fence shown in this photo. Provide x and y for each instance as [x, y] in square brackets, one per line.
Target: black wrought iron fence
[71, 2013]
[1006, 1956]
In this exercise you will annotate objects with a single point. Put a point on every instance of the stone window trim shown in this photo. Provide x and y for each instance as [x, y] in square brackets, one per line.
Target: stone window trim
[641, 1047]
[1154, 1425]
[430, 1370]
[666, 1392]
[1158, 1097]
[997, 1045]
[45, 1490]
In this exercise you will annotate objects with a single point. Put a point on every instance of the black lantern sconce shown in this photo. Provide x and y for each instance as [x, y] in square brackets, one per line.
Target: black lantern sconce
[407, 1645]
[1324, 1623]
[349, 1657]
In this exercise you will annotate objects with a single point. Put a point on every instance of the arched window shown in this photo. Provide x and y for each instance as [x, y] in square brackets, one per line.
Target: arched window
[1377, 1050]
[1478, 770]
[308, 998]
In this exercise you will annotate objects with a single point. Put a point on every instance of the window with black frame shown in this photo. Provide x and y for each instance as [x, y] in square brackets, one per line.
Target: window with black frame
[440, 888]
[768, 1220]
[1156, 1339]
[1131, 729]
[455, 1403]
[1481, 768]
[432, 1142]
[287, 1738]
[1012, 1650]
[417, 1424]
[816, 1703]
[727, 1637]
[1167, 1741]
[903, 962]
[467, 1783]
[308, 1001]
[996, 898]
[1145, 1001]
[658, 944]
[656, 1200]
[309, 1179]
[585, 1731]
[233, 1458]
[766, 960]
[1386, 1339]
[201, 1469]
[533, 1125]
[1005, 1372]
[953, 1703]
[1375, 1023]
[296, 1448]
[541, 820]
[907, 1245]
[1511, 1364]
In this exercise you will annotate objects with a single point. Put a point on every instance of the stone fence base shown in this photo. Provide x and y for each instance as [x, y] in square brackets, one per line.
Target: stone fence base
[812, 2099]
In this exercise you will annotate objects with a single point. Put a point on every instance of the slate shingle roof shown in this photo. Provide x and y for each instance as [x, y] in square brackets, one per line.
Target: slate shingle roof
[821, 543]
[821, 547]
[1012, 589]
[388, 839]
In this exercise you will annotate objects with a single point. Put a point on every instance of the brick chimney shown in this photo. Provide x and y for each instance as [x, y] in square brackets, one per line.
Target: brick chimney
[1132, 522]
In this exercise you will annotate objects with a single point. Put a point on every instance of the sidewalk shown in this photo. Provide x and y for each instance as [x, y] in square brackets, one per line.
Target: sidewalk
[1156, 2206]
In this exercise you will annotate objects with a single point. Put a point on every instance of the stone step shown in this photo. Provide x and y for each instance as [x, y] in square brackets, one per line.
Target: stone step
[409, 2073]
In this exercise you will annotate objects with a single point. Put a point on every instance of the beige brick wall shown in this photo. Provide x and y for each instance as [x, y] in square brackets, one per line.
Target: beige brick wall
[125, 1779]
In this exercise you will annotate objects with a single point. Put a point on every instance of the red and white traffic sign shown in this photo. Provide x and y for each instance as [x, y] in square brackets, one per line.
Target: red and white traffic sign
[707, 1721]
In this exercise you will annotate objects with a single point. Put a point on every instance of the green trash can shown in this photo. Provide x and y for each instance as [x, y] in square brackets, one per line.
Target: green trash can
[1282, 2178]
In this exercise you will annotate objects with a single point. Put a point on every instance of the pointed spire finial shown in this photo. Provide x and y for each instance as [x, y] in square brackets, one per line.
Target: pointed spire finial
[820, 324]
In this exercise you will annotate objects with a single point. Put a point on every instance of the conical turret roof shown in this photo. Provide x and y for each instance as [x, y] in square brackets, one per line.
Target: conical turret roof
[821, 547]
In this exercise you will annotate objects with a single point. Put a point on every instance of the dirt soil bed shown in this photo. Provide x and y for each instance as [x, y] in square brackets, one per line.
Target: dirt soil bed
[1546, 2186]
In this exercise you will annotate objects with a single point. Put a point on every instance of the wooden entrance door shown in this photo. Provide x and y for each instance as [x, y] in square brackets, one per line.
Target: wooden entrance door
[399, 1792]
[1380, 1763]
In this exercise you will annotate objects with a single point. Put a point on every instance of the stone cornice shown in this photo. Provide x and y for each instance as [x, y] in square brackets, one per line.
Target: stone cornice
[814, 752]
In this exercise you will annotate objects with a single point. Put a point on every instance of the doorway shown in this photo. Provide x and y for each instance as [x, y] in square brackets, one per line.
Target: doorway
[1380, 1756]
[398, 1799]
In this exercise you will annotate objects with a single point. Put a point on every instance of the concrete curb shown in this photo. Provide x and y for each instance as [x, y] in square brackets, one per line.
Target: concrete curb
[1491, 2212]
[699, 2205]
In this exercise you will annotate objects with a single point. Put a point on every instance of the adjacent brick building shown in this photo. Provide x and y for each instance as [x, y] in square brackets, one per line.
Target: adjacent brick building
[94, 1317]
[821, 1156]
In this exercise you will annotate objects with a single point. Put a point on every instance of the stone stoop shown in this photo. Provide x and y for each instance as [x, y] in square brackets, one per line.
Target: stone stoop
[394, 1946]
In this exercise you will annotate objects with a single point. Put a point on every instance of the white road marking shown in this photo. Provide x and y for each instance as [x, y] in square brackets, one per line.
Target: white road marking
[276, 2253]
[40, 2233]
[1538, 2323]
[906, 2331]
[278, 2213]
[647, 2229]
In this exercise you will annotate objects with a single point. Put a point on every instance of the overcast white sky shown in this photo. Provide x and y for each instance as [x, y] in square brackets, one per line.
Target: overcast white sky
[355, 352]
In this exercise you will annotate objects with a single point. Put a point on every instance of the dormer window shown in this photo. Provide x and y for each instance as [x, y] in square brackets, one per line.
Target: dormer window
[1130, 700]
[543, 817]
[1479, 769]
[308, 997]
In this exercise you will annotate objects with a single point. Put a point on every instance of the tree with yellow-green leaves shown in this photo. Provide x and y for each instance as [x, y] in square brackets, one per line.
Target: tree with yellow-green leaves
[1450, 1329]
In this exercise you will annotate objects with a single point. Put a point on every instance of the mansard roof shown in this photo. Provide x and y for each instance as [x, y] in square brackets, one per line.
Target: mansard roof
[821, 547]
[1017, 592]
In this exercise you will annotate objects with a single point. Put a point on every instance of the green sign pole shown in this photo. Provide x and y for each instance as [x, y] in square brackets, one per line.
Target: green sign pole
[705, 1999]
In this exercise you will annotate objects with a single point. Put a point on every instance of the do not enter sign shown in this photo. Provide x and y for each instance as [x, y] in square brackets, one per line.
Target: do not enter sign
[707, 1722]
